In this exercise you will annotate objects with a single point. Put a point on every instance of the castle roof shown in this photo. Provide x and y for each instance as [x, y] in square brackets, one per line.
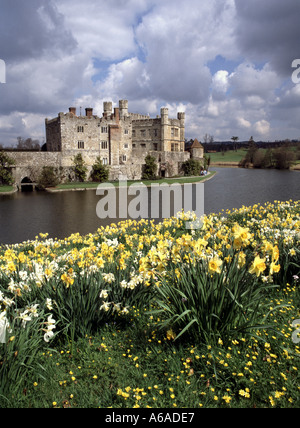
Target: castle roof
[196, 144]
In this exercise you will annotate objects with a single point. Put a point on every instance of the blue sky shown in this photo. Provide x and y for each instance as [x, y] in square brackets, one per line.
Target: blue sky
[226, 63]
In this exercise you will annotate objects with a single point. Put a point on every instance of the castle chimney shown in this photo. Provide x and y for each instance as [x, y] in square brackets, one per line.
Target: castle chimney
[89, 112]
[72, 110]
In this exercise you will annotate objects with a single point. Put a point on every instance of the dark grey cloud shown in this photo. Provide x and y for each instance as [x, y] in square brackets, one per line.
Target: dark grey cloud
[29, 29]
[269, 31]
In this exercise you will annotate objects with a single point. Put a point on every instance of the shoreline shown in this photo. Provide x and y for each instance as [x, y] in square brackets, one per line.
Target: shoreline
[83, 189]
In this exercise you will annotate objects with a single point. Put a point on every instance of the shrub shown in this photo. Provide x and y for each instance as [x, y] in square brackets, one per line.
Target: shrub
[48, 178]
[6, 164]
[100, 172]
[192, 167]
[79, 168]
[149, 168]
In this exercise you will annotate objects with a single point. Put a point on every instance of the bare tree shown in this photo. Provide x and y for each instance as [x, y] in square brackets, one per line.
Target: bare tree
[28, 144]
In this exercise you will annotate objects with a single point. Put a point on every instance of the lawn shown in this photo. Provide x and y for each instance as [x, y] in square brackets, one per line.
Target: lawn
[93, 185]
[141, 315]
[228, 156]
[6, 189]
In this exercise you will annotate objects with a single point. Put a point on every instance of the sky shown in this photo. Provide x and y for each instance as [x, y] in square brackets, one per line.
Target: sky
[226, 63]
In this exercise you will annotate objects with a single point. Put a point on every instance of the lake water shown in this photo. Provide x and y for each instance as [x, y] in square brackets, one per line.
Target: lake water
[25, 215]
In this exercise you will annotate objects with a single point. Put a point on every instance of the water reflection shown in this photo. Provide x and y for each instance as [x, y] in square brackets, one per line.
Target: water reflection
[24, 215]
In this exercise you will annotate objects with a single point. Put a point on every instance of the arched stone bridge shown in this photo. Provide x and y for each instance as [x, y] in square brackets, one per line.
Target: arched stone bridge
[28, 165]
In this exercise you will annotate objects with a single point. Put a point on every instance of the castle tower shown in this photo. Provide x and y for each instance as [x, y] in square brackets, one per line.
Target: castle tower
[181, 117]
[107, 108]
[164, 112]
[123, 107]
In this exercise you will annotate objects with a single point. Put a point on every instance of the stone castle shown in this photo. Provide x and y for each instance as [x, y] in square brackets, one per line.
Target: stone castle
[121, 140]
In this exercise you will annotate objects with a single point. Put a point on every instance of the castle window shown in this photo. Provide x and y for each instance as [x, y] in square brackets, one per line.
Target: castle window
[143, 133]
[174, 132]
[155, 132]
[155, 146]
[133, 132]
[80, 129]
[126, 131]
[105, 161]
[104, 129]
[124, 158]
[104, 145]
[174, 147]
[81, 144]
[125, 146]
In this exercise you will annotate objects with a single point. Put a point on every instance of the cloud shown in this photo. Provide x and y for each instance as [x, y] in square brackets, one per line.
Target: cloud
[226, 63]
[262, 127]
[268, 31]
[31, 29]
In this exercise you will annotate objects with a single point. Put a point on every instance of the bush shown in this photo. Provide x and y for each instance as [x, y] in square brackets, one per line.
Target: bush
[6, 163]
[100, 172]
[192, 167]
[149, 168]
[48, 178]
[79, 168]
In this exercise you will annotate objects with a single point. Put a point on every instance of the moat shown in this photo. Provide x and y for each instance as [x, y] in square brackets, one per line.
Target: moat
[24, 215]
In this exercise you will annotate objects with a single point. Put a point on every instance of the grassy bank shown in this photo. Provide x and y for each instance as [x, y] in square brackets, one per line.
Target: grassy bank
[229, 156]
[155, 315]
[93, 185]
[6, 189]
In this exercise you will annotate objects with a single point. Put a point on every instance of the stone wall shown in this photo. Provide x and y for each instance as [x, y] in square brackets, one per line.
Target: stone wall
[30, 164]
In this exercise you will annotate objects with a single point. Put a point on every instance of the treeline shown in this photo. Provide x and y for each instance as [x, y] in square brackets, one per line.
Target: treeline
[25, 144]
[282, 157]
[221, 147]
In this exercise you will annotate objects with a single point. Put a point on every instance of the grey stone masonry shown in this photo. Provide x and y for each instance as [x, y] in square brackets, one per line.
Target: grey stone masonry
[121, 139]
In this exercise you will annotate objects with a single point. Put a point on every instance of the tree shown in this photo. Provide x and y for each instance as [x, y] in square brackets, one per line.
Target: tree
[192, 167]
[79, 168]
[48, 178]
[100, 172]
[149, 168]
[235, 140]
[6, 163]
[28, 144]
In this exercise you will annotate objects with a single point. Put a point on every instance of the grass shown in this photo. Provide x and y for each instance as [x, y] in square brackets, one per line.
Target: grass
[113, 320]
[229, 156]
[93, 185]
[6, 189]
[134, 366]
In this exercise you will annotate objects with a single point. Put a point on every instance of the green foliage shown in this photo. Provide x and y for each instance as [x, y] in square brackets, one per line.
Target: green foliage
[192, 167]
[48, 178]
[18, 355]
[149, 168]
[279, 158]
[6, 163]
[80, 168]
[208, 306]
[100, 172]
